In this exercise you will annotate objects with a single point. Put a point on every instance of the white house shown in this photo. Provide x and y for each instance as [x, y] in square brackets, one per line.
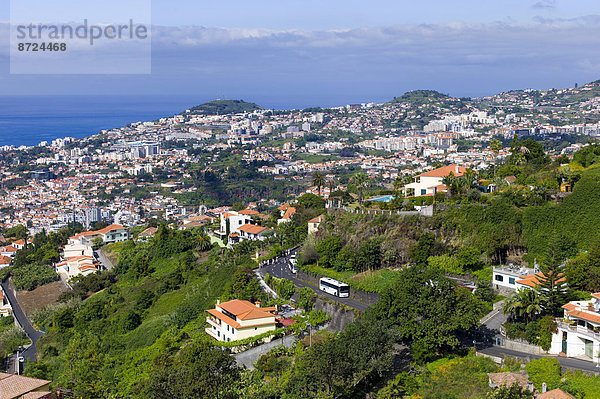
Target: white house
[286, 212]
[72, 250]
[429, 183]
[75, 266]
[237, 319]
[110, 234]
[507, 276]
[252, 232]
[578, 334]
[5, 308]
[234, 220]
[314, 223]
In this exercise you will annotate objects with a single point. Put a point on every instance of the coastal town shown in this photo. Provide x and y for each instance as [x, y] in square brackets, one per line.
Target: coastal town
[238, 227]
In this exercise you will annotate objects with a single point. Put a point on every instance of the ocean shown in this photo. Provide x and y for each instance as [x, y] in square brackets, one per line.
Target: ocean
[28, 120]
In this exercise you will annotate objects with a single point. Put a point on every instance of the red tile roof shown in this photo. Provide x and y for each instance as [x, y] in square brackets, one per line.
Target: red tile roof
[533, 280]
[248, 212]
[556, 394]
[445, 171]
[252, 228]
[588, 316]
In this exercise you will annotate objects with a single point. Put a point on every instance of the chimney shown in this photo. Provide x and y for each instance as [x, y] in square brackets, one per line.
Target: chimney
[257, 303]
[544, 387]
[218, 301]
[456, 169]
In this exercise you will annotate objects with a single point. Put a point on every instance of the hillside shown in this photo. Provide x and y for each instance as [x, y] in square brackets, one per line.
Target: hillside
[222, 107]
[420, 97]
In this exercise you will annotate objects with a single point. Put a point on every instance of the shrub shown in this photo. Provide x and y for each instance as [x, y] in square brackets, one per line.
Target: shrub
[544, 370]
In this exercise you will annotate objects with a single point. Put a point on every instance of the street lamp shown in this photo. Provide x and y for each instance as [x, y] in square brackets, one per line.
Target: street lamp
[309, 333]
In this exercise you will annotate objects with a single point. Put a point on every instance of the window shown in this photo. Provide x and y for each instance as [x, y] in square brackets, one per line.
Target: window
[232, 330]
[255, 328]
[423, 191]
[499, 277]
[218, 333]
[511, 280]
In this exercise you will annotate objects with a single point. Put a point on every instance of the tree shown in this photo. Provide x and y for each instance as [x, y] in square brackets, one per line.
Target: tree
[552, 283]
[97, 242]
[495, 146]
[468, 180]
[200, 370]
[428, 310]
[424, 249]
[360, 181]
[515, 391]
[328, 250]
[306, 298]
[319, 181]
[203, 241]
[331, 185]
[452, 184]
[526, 303]
[311, 201]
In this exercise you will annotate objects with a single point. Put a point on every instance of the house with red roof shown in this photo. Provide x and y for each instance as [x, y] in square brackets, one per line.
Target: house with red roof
[77, 265]
[431, 182]
[286, 214]
[237, 319]
[578, 332]
[314, 223]
[253, 232]
[8, 251]
[109, 234]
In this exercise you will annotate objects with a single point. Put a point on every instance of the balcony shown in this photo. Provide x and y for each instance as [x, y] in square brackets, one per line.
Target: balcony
[212, 333]
[579, 330]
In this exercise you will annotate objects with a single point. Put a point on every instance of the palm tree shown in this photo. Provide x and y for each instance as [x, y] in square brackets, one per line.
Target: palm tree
[469, 179]
[331, 185]
[450, 181]
[319, 181]
[525, 303]
[204, 243]
[360, 180]
[495, 147]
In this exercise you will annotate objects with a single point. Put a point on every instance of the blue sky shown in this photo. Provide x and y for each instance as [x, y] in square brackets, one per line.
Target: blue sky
[301, 53]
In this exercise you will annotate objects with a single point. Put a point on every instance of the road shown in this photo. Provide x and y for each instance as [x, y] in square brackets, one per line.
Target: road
[490, 324]
[491, 328]
[104, 259]
[567, 362]
[34, 335]
[280, 269]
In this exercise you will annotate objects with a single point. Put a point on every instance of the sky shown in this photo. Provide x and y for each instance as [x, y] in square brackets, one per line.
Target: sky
[305, 53]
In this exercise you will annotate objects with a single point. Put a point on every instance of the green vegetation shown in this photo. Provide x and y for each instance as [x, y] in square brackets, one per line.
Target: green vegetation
[11, 337]
[222, 107]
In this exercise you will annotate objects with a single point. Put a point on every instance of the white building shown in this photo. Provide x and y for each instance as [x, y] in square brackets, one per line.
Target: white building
[237, 319]
[578, 334]
[507, 276]
[429, 183]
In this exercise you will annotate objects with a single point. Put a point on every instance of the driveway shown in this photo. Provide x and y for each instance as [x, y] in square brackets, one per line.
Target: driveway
[104, 259]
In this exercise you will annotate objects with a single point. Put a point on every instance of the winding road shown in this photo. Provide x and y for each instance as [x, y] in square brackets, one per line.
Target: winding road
[30, 353]
[280, 269]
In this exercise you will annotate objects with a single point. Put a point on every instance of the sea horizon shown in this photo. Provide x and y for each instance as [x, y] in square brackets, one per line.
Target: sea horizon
[30, 119]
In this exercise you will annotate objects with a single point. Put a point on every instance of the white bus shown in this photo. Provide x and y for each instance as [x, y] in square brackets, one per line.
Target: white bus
[334, 287]
[292, 263]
